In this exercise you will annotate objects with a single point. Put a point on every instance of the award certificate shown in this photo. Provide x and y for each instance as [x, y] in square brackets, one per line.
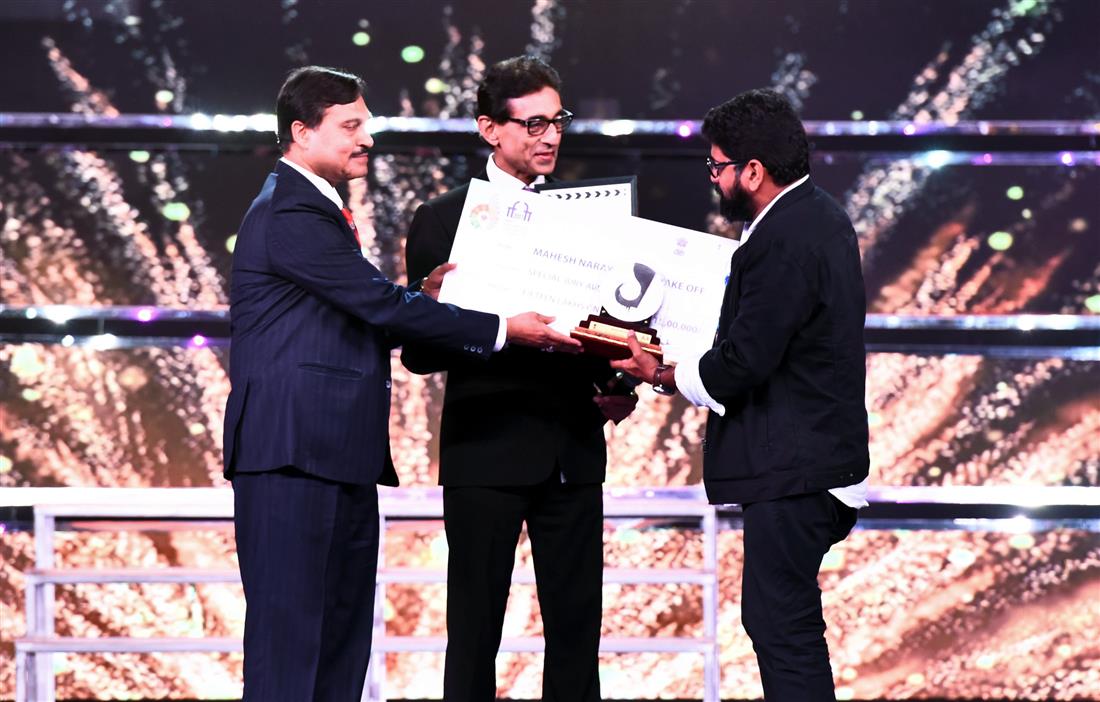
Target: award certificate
[518, 251]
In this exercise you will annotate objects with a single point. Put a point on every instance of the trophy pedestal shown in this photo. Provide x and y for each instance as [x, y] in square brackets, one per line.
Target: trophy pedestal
[604, 335]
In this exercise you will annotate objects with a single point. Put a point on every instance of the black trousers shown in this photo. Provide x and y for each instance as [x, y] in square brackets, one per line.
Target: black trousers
[565, 525]
[308, 553]
[785, 540]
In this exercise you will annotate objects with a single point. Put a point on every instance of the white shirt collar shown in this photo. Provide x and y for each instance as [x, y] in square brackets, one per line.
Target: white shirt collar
[323, 185]
[499, 177]
[752, 227]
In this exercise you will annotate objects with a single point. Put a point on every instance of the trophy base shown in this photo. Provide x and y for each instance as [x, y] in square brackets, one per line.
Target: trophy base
[606, 337]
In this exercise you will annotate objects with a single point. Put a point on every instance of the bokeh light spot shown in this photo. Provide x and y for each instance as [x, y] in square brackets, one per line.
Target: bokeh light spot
[412, 54]
[961, 558]
[833, 560]
[176, 211]
[25, 363]
[1000, 241]
[937, 159]
[133, 378]
[1022, 541]
[1024, 6]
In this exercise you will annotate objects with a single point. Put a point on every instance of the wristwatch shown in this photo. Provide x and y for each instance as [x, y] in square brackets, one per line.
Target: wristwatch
[658, 386]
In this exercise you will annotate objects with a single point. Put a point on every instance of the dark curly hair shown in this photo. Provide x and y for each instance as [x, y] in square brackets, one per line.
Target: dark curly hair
[309, 91]
[761, 124]
[513, 78]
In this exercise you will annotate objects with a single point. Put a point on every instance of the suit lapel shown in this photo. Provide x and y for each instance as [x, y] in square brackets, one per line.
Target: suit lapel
[294, 187]
[786, 202]
[759, 236]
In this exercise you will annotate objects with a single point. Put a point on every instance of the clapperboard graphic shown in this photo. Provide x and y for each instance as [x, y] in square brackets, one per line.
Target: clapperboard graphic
[617, 195]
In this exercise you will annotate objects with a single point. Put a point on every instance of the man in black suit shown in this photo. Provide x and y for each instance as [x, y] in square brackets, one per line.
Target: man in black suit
[521, 436]
[306, 423]
[787, 432]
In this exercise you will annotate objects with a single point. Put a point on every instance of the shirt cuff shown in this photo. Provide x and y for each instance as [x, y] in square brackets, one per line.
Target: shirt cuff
[855, 496]
[502, 334]
[690, 385]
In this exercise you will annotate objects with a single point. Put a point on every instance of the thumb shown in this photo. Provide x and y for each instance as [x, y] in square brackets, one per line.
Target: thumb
[632, 344]
[544, 318]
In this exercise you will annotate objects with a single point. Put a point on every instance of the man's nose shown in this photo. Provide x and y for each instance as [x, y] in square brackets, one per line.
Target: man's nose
[551, 137]
[365, 138]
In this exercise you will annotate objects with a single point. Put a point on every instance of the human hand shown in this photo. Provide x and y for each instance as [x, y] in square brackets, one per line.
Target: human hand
[616, 407]
[434, 281]
[530, 329]
[641, 365]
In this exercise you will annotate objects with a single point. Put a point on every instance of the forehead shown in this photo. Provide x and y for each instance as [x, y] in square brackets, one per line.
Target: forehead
[336, 114]
[544, 103]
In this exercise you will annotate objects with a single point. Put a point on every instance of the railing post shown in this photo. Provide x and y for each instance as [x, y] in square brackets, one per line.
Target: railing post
[374, 691]
[712, 669]
[40, 665]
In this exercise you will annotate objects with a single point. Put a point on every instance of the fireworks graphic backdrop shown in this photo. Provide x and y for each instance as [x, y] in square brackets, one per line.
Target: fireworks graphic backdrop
[913, 613]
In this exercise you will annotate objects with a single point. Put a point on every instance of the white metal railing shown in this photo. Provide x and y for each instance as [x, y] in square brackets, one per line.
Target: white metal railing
[34, 667]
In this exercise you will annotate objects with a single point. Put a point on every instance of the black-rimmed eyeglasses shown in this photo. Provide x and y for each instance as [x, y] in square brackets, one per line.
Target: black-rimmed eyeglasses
[537, 126]
[715, 167]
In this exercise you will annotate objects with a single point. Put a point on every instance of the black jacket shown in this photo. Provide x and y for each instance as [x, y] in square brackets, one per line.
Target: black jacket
[524, 413]
[789, 360]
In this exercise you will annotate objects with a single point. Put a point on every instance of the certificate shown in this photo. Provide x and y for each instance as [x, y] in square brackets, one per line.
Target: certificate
[518, 251]
[611, 195]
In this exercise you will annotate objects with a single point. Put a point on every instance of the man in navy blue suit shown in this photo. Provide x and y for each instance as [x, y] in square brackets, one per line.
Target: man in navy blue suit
[306, 440]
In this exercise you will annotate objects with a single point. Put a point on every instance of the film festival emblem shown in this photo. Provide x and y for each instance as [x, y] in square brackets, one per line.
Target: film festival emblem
[483, 216]
[630, 297]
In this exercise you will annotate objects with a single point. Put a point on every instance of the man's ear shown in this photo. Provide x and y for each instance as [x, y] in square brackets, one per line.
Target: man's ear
[755, 173]
[300, 133]
[486, 127]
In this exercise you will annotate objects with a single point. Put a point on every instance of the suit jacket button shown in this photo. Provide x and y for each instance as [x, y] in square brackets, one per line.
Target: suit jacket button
[465, 347]
[389, 384]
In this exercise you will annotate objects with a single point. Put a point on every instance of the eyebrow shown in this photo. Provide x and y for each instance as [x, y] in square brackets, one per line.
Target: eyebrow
[556, 114]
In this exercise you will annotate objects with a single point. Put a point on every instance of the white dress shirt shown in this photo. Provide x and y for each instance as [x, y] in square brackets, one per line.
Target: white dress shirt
[507, 180]
[329, 191]
[497, 176]
[690, 384]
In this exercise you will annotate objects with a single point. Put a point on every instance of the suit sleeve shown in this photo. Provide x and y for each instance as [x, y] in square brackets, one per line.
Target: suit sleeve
[776, 301]
[307, 247]
[428, 245]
